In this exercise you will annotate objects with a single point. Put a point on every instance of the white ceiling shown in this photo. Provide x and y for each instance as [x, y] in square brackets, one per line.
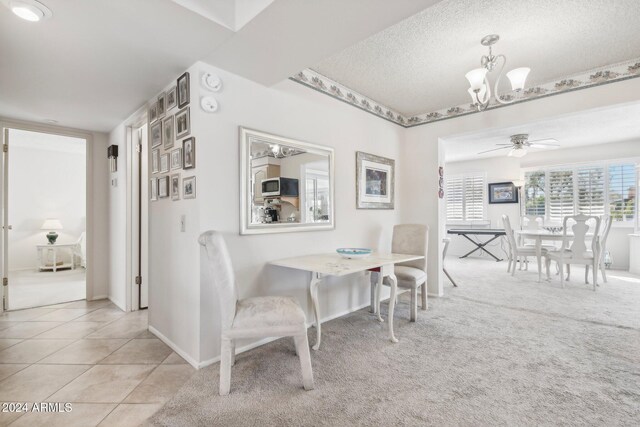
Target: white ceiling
[418, 65]
[614, 124]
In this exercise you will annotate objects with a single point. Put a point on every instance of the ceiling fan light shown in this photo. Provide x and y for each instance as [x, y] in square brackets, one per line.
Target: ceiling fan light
[476, 78]
[517, 77]
[517, 152]
[30, 10]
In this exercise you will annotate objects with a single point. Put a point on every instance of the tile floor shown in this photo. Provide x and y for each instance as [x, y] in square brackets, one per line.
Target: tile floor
[91, 354]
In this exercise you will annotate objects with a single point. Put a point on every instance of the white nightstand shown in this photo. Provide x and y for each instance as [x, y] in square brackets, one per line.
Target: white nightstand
[43, 255]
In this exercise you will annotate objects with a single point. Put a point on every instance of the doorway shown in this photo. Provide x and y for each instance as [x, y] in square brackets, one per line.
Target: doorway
[44, 219]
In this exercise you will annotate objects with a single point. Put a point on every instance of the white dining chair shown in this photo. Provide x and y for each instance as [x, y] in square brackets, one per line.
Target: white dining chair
[519, 253]
[257, 317]
[409, 239]
[574, 250]
[605, 226]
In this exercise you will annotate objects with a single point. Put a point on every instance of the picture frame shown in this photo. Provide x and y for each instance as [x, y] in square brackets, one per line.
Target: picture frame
[503, 192]
[183, 123]
[168, 137]
[176, 159]
[163, 187]
[161, 105]
[153, 189]
[155, 132]
[183, 90]
[175, 187]
[172, 99]
[375, 182]
[189, 187]
[155, 160]
[189, 153]
[153, 112]
[164, 163]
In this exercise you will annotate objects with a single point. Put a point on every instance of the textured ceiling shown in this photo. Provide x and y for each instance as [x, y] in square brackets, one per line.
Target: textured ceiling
[418, 65]
[615, 124]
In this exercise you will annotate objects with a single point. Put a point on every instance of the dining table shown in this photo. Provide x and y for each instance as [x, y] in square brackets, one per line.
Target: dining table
[332, 264]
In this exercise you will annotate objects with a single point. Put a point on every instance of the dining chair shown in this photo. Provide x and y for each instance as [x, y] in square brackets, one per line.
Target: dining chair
[605, 226]
[257, 317]
[575, 251]
[519, 253]
[410, 239]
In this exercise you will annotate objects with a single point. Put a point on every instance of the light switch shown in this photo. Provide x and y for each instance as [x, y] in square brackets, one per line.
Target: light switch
[183, 225]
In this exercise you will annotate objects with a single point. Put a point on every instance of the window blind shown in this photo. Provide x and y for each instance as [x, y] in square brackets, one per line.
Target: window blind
[591, 190]
[454, 198]
[465, 195]
[561, 200]
[622, 191]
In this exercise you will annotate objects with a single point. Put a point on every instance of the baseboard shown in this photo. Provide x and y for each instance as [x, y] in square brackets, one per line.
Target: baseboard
[118, 304]
[98, 297]
[174, 347]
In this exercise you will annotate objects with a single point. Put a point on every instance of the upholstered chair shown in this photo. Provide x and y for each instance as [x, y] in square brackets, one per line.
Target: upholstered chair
[257, 317]
[410, 239]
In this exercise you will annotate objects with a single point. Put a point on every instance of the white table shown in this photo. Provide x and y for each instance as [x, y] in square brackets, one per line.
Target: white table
[43, 251]
[323, 265]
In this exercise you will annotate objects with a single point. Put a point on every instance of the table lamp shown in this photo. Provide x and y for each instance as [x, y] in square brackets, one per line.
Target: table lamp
[51, 224]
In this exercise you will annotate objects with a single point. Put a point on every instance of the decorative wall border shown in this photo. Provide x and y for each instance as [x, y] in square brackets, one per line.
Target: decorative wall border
[595, 77]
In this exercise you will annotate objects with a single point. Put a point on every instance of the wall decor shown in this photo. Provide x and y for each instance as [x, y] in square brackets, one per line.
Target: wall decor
[208, 104]
[153, 188]
[175, 187]
[153, 112]
[189, 153]
[503, 192]
[176, 159]
[164, 163]
[189, 187]
[172, 98]
[163, 187]
[375, 181]
[161, 105]
[168, 132]
[156, 134]
[183, 123]
[155, 160]
[441, 182]
[183, 90]
[211, 82]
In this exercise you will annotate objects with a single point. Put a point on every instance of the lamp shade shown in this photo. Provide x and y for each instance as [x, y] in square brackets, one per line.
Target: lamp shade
[518, 182]
[517, 77]
[51, 224]
[476, 78]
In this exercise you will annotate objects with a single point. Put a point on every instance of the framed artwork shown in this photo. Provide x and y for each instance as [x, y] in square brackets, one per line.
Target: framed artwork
[153, 188]
[375, 181]
[163, 187]
[167, 132]
[155, 161]
[172, 100]
[189, 187]
[156, 134]
[176, 159]
[183, 90]
[503, 192]
[183, 123]
[164, 163]
[161, 105]
[153, 112]
[189, 153]
[175, 187]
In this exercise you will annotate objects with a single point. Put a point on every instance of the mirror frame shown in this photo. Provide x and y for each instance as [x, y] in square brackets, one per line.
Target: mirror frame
[246, 227]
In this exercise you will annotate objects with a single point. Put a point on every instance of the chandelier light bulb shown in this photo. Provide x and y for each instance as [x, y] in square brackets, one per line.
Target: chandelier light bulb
[517, 77]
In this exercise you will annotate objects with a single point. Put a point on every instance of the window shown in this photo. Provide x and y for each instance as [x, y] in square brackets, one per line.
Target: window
[465, 196]
[622, 192]
[534, 196]
[591, 190]
[561, 202]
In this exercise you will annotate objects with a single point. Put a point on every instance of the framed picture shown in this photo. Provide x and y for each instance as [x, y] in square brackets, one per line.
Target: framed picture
[155, 161]
[153, 188]
[172, 100]
[153, 112]
[189, 187]
[167, 132]
[161, 105]
[183, 90]
[189, 153]
[375, 181]
[503, 192]
[164, 163]
[183, 123]
[156, 134]
[175, 187]
[176, 159]
[163, 187]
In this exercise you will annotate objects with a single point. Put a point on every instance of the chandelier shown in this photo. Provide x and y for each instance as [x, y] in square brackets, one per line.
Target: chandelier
[480, 90]
[280, 152]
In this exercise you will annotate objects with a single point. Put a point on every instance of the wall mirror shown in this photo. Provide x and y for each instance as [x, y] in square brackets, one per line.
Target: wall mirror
[285, 185]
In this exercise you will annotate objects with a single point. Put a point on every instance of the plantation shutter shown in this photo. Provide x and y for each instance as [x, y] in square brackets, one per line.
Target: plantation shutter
[591, 195]
[454, 198]
[622, 191]
[561, 200]
[535, 200]
[474, 197]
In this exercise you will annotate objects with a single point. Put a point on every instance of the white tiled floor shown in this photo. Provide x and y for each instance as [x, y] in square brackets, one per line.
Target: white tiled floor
[91, 354]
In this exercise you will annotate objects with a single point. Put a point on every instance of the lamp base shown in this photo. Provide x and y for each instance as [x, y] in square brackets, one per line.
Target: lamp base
[52, 236]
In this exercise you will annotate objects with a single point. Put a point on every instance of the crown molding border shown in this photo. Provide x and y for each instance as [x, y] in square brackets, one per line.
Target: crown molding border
[588, 79]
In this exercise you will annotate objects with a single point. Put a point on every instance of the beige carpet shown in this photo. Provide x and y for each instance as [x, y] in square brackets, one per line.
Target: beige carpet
[495, 351]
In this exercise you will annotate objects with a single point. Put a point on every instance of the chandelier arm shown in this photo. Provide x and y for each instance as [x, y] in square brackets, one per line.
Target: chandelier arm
[495, 90]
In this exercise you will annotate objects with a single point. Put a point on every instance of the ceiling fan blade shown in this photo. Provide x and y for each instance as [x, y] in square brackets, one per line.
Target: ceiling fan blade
[544, 141]
[495, 149]
[543, 145]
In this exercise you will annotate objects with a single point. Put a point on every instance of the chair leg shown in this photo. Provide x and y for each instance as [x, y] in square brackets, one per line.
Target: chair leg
[302, 347]
[414, 304]
[568, 271]
[509, 265]
[547, 263]
[603, 270]
[295, 345]
[225, 366]
[233, 352]
[423, 294]
[513, 271]
[562, 274]
[595, 275]
[586, 274]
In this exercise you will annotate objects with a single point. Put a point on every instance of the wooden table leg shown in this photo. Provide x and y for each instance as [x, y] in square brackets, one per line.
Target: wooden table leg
[313, 290]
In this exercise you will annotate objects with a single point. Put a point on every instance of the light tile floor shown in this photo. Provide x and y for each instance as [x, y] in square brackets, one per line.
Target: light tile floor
[100, 359]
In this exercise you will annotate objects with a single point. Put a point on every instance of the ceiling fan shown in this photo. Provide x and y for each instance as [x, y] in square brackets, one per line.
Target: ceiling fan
[520, 142]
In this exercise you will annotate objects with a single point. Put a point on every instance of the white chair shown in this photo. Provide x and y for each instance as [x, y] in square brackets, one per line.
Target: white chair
[605, 226]
[518, 253]
[80, 250]
[410, 239]
[257, 317]
[576, 252]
